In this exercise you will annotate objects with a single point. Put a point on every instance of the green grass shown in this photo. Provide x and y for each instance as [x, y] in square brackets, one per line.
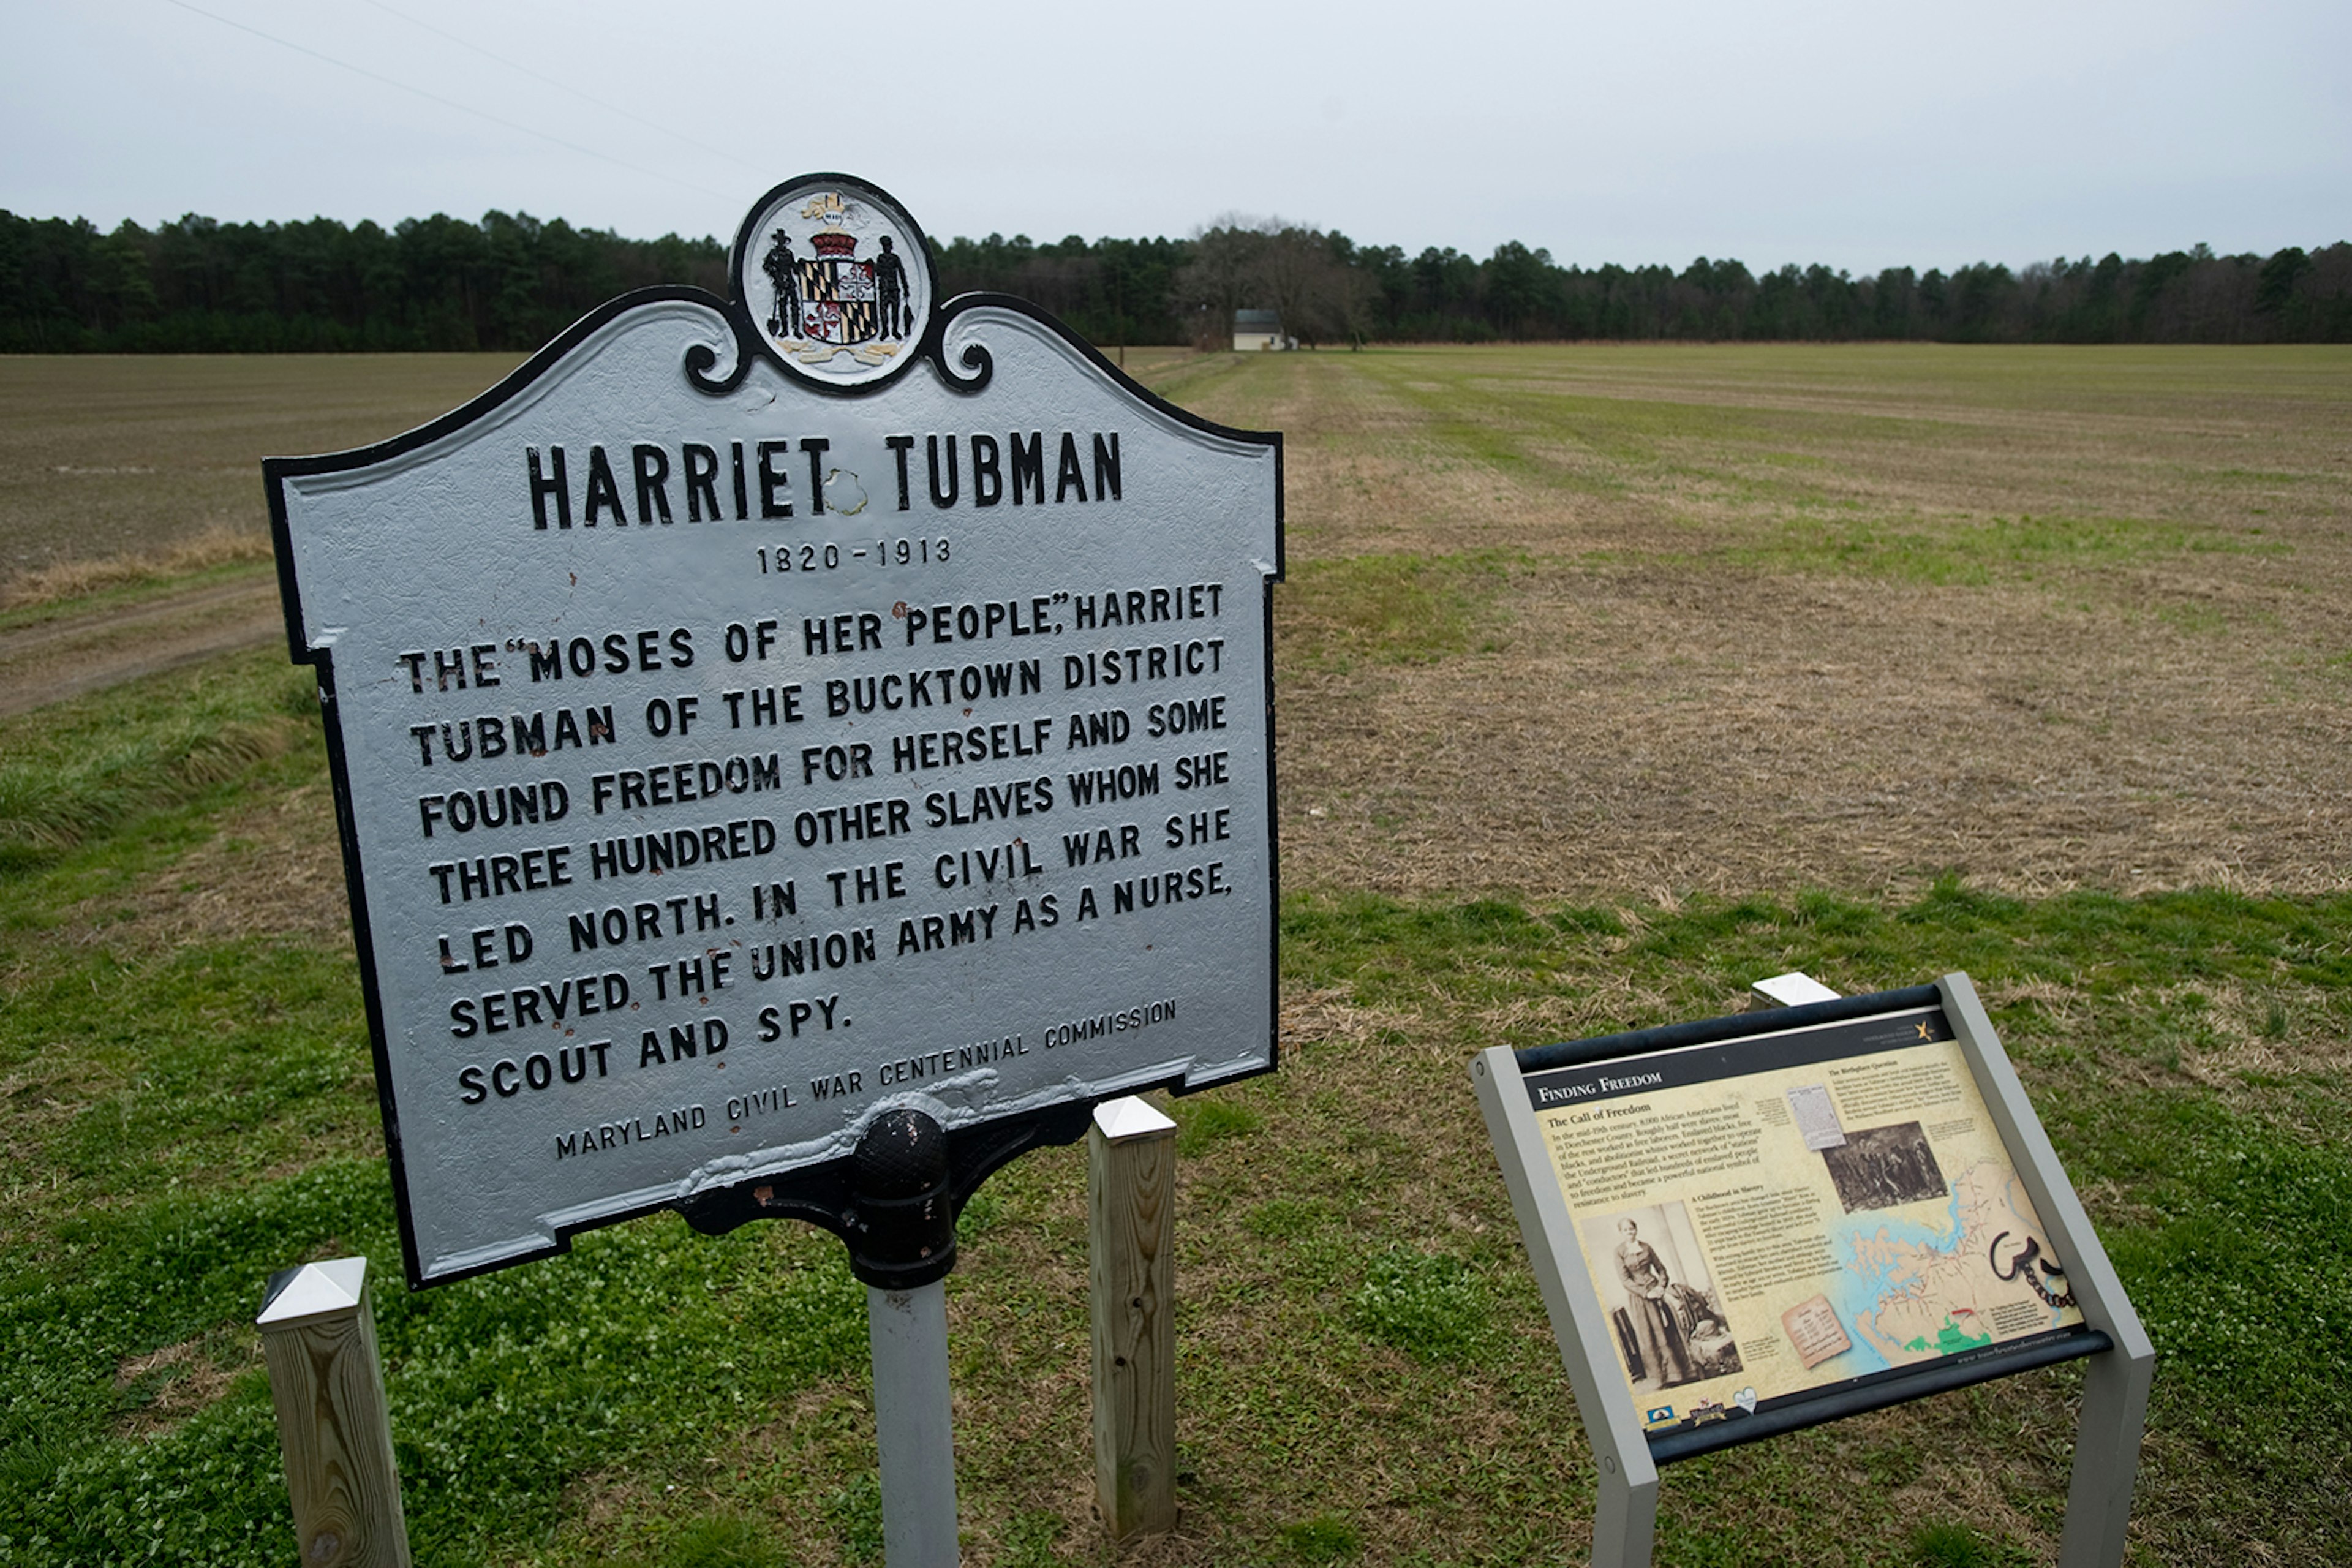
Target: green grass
[1972, 552]
[725, 1541]
[80, 768]
[637, 1345]
[1793, 513]
[1322, 1538]
[2100, 945]
[224, 1129]
[1433, 1307]
[1391, 609]
[1201, 1123]
[1957, 1546]
[1836, 461]
[856, 1512]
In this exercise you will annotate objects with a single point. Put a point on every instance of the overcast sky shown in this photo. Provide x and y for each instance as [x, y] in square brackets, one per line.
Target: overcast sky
[1859, 134]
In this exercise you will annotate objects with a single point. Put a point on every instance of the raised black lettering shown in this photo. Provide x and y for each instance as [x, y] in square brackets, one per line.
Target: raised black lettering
[772, 481]
[1028, 467]
[604, 491]
[701, 481]
[543, 486]
[944, 496]
[987, 475]
[1107, 467]
[899, 446]
[652, 466]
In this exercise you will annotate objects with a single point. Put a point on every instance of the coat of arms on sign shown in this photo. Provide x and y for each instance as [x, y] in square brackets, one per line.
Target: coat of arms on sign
[840, 284]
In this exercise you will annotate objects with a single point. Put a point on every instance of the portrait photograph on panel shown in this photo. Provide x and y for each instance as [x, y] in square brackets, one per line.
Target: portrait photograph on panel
[1661, 1297]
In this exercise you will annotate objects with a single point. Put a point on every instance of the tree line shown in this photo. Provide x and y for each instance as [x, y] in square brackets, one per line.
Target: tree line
[512, 281]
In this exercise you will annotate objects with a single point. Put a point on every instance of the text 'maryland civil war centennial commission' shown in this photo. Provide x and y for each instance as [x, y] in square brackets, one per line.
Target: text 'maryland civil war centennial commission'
[756, 712]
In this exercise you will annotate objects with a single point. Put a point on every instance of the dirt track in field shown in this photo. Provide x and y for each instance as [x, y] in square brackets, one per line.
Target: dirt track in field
[64, 657]
[116, 463]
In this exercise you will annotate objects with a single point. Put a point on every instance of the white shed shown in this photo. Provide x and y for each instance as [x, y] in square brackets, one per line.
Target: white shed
[1254, 329]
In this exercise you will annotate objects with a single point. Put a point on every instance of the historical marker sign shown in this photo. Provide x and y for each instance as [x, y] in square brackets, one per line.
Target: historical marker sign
[756, 713]
[1748, 1225]
[1787, 1216]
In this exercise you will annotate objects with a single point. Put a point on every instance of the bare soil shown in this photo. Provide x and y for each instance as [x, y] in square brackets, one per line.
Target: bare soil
[1817, 734]
[132, 457]
[1777, 618]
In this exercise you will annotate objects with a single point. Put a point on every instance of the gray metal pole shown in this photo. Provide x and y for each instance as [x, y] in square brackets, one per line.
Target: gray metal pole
[909, 1330]
[2108, 1439]
[901, 1236]
[1625, 1514]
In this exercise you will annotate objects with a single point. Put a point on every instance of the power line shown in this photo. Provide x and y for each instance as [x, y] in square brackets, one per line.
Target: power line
[447, 103]
[576, 92]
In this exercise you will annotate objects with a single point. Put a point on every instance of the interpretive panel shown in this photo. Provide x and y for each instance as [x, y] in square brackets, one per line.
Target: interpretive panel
[757, 713]
[1781, 1218]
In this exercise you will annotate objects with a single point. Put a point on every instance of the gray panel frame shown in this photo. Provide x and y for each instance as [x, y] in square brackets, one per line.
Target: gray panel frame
[2116, 1382]
[2112, 1420]
[1626, 1482]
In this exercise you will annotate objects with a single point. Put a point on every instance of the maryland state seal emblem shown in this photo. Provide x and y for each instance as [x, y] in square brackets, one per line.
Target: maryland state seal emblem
[845, 277]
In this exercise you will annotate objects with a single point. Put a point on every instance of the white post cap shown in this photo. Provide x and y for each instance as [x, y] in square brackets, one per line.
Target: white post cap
[1790, 990]
[313, 1291]
[1121, 1119]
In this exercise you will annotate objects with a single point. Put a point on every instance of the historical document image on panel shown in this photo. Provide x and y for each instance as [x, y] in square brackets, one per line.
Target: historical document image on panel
[1884, 1167]
[1664, 1306]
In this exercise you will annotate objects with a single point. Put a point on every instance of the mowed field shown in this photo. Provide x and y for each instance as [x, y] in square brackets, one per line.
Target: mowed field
[133, 537]
[1610, 679]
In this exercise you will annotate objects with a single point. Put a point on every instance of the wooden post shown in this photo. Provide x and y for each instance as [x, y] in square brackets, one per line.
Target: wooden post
[318, 1339]
[1132, 1204]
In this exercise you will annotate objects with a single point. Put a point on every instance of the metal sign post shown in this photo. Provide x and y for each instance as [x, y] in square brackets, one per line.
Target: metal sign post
[763, 719]
[1749, 1224]
[909, 1329]
[902, 1244]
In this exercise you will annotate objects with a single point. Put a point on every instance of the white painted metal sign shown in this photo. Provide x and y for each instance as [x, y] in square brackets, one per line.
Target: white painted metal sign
[754, 714]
